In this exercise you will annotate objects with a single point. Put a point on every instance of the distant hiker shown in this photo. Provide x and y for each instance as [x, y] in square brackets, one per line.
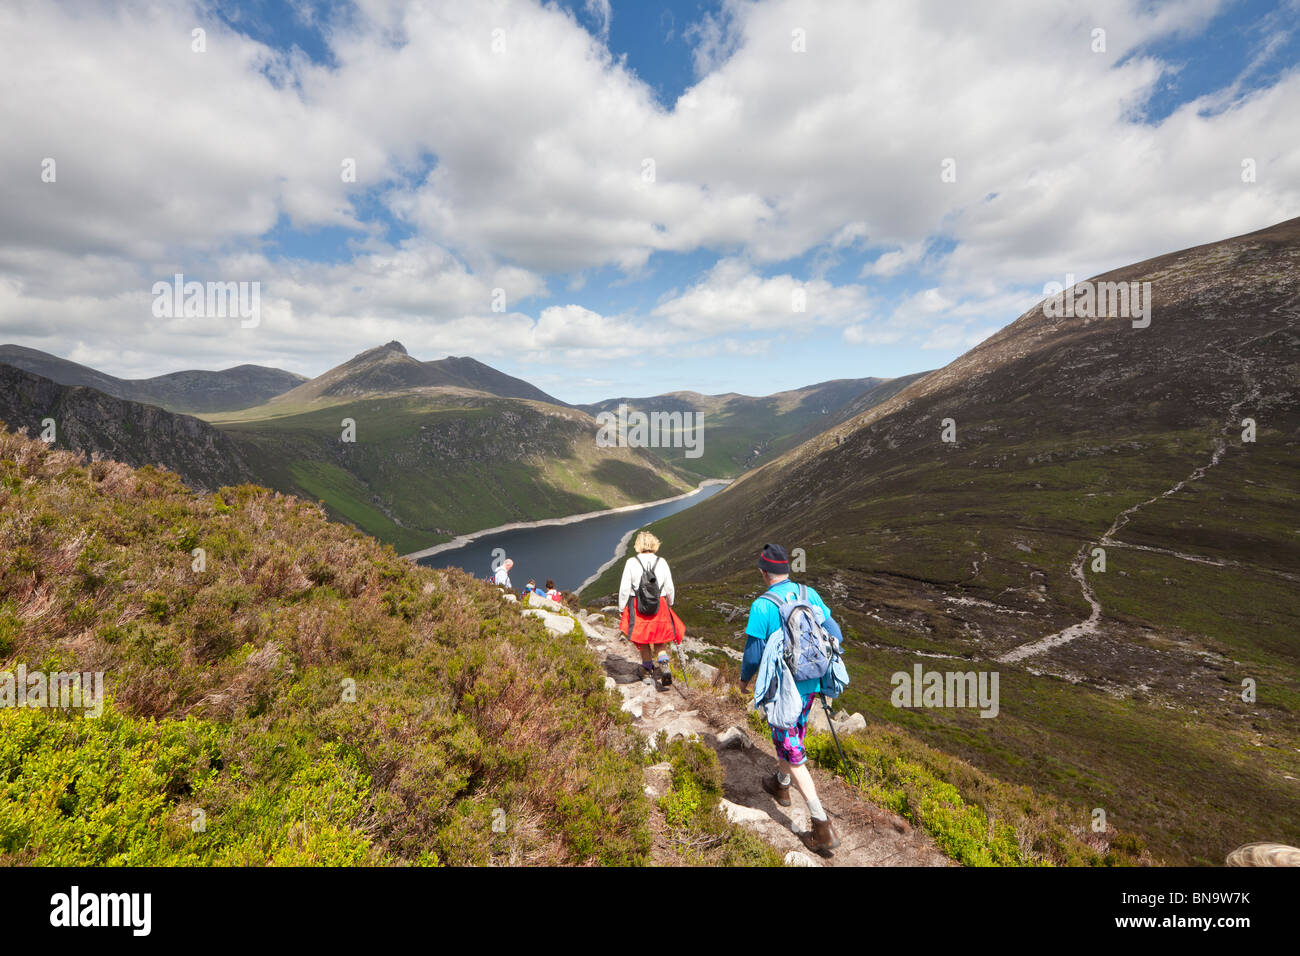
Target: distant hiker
[502, 576]
[645, 594]
[551, 593]
[764, 635]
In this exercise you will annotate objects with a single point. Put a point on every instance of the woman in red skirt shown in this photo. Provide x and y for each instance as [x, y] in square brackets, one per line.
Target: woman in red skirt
[651, 635]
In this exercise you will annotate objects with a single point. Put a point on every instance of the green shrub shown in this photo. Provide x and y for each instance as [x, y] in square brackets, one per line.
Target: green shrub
[702, 834]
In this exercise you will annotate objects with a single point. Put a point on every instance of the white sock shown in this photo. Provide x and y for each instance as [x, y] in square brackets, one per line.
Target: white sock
[783, 778]
[815, 808]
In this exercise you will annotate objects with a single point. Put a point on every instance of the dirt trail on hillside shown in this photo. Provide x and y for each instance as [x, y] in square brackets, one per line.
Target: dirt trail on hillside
[870, 835]
[1091, 625]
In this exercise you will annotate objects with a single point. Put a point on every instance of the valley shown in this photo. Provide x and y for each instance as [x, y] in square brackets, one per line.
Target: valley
[1099, 513]
[1122, 688]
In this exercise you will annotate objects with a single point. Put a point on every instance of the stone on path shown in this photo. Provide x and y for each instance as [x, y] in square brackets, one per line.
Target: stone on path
[684, 726]
[799, 858]
[733, 738]
[735, 813]
[558, 623]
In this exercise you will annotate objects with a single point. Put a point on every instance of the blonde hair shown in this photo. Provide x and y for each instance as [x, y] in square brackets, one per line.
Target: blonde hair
[645, 541]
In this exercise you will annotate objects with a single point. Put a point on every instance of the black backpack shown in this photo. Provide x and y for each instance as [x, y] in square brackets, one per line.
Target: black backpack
[647, 592]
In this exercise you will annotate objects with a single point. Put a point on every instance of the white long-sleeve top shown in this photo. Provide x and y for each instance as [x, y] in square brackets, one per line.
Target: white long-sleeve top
[636, 567]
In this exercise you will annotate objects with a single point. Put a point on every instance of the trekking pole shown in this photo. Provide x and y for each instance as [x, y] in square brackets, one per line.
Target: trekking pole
[682, 658]
[844, 761]
[678, 648]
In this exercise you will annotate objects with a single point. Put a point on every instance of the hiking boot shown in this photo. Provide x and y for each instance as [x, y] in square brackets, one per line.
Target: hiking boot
[822, 838]
[780, 791]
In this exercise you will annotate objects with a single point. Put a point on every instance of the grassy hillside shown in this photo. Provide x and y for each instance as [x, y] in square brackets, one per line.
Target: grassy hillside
[229, 736]
[427, 465]
[1072, 433]
[742, 431]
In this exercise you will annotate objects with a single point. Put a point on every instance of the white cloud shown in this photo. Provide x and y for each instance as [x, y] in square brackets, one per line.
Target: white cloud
[170, 160]
[732, 297]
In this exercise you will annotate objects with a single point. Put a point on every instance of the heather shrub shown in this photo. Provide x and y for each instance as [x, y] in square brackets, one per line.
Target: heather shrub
[318, 699]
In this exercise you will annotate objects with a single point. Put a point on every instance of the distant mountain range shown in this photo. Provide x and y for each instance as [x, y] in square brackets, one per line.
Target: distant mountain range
[1173, 448]
[742, 430]
[191, 391]
[441, 447]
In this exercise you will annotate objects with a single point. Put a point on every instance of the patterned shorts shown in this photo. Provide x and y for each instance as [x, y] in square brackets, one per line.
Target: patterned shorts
[789, 740]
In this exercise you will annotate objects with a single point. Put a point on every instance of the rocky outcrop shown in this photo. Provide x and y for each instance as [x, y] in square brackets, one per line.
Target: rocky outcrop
[96, 424]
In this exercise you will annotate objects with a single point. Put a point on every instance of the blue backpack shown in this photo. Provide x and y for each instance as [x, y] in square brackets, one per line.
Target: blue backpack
[811, 651]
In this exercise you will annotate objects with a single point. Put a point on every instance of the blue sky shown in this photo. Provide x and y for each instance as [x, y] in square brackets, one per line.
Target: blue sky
[501, 147]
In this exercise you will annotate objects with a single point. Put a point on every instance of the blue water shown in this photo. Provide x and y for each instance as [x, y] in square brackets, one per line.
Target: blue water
[567, 553]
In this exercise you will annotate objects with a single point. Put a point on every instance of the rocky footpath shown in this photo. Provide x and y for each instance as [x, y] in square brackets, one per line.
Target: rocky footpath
[870, 835]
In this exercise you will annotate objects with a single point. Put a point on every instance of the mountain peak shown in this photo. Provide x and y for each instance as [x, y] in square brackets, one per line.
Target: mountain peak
[396, 346]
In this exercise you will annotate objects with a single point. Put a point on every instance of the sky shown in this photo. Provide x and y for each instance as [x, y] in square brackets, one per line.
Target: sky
[618, 198]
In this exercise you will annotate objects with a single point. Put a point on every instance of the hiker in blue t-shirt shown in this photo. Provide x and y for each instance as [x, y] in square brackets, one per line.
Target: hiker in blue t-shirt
[764, 619]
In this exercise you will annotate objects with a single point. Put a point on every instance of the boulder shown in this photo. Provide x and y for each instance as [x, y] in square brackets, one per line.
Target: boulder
[735, 813]
[798, 858]
[849, 723]
[511, 598]
[817, 722]
[683, 726]
[733, 738]
[558, 623]
[698, 669]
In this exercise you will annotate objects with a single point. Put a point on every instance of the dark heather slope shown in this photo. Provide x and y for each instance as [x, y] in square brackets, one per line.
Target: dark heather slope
[1121, 680]
[243, 386]
[94, 423]
[388, 369]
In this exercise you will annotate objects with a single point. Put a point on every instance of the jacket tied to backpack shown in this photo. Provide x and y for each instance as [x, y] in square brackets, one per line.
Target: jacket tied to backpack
[775, 693]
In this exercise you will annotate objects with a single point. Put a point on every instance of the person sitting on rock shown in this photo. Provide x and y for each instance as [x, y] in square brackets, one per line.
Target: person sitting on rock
[551, 592]
[651, 633]
[765, 620]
